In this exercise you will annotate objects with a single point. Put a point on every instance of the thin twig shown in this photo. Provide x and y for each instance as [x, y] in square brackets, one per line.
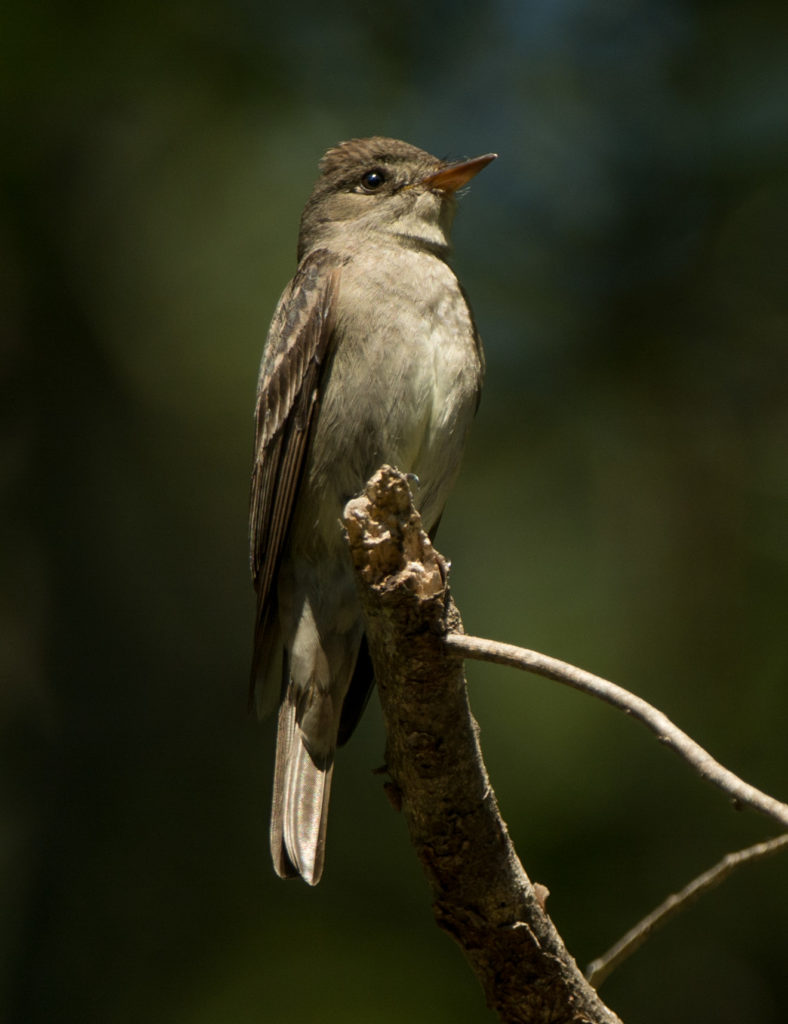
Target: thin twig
[669, 734]
[601, 968]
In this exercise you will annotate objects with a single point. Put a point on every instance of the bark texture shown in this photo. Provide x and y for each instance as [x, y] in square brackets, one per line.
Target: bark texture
[481, 895]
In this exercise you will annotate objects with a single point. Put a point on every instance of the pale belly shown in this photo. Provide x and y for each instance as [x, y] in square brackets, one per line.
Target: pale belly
[401, 388]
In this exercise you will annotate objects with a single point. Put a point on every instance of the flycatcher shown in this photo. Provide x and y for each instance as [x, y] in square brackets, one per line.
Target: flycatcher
[372, 357]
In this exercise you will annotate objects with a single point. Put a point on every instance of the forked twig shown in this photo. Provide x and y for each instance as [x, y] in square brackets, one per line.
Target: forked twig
[742, 793]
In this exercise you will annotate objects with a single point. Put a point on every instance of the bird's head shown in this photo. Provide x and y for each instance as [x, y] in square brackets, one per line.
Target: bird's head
[372, 188]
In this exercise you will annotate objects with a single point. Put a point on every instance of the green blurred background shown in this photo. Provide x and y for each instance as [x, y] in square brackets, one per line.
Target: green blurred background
[623, 504]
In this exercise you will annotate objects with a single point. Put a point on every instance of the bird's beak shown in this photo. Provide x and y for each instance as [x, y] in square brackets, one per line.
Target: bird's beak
[453, 176]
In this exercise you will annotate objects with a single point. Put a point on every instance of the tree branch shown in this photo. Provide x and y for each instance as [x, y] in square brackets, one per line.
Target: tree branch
[669, 734]
[601, 968]
[481, 895]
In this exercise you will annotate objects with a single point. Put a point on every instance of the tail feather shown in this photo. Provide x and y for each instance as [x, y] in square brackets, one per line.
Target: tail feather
[300, 803]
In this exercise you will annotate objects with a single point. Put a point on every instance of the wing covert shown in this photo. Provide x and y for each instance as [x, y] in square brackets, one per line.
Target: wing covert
[287, 396]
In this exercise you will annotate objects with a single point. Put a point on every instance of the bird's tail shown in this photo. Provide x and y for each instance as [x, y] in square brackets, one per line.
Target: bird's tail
[300, 804]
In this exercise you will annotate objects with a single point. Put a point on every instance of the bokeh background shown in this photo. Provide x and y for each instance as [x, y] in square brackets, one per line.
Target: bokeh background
[623, 504]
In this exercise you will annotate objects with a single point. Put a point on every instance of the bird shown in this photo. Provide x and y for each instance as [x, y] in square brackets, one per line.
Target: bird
[372, 357]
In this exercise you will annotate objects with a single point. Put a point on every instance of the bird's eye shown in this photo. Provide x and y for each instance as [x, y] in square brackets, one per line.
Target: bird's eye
[372, 180]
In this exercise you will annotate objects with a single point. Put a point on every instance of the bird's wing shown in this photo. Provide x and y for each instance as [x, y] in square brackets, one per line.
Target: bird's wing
[287, 396]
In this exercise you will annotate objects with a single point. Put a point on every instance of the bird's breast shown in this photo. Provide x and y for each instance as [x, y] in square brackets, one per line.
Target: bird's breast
[403, 378]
